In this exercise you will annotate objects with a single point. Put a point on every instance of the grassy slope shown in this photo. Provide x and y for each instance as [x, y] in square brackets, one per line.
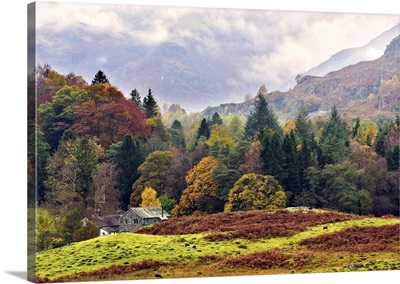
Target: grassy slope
[124, 249]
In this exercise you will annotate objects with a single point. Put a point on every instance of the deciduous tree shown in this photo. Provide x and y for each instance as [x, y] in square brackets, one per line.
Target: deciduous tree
[201, 195]
[154, 173]
[149, 198]
[256, 192]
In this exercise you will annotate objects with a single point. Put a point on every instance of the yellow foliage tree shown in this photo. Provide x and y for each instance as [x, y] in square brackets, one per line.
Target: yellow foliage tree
[149, 198]
[201, 195]
[256, 192]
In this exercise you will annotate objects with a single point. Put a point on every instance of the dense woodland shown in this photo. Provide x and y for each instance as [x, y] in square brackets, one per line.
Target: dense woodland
[99, 150]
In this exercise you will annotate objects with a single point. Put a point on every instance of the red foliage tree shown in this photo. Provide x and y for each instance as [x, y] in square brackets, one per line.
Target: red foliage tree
[110, 122]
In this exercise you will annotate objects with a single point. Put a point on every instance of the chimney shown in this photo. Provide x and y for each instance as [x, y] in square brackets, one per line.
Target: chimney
[162, 211]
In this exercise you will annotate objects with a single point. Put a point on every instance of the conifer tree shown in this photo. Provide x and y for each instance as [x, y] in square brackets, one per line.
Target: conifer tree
[204, 129]
[262, 116]
[135, 97]
[150, 105]
[334, 140]
[290, 177]
[127, 154]
[100, 77]
[216, 119]
[177, 135]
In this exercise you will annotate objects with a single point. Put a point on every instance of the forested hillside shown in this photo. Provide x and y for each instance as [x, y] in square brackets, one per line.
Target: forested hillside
[97, 149]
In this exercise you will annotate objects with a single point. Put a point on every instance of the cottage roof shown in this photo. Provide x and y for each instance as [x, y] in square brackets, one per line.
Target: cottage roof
[151, 212]
[104, 221]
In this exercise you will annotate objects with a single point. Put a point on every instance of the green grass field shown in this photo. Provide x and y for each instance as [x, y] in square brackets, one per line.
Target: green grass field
[195, 256]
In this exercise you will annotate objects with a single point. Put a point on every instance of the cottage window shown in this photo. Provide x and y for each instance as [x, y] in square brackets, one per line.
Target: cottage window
[135, 221]
[126, 221]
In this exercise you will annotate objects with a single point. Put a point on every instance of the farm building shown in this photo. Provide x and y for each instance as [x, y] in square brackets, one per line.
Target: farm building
[105, 224]
[138, 217]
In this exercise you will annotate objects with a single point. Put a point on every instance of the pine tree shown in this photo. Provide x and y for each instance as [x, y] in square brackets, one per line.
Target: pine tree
[216, 119]
[303, 125]
[334, 140]
[100, 77]
[127, 154]
[150, 105]
[355, 127]
[379, 144]
[135, 97]
[272, 152]
[177, 135]
[204, 129]
[262, 116]
[290, 179]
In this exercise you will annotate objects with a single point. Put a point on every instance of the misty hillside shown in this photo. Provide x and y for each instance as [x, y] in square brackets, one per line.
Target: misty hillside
[361, 89]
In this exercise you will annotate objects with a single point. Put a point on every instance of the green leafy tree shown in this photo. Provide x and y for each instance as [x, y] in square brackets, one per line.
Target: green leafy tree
[236, 128]
[38, 155]
[57, 115]
[342, 188]
[166, 202]
[177, 135]
[99, 78]
[256, 192]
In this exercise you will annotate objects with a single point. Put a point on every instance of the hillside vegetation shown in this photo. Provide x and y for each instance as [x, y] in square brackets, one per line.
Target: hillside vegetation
[182, 247]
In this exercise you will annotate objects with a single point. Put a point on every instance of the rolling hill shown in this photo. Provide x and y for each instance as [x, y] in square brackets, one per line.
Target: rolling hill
[239, 243]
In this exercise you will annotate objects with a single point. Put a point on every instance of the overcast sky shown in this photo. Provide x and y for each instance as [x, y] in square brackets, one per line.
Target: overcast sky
[272, 44]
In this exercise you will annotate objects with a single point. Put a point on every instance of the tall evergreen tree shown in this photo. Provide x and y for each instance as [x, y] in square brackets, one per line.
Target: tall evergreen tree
[356, 126]
[150, 105]
[100, 77]
[262, 116]
[216, 119]
[379, 144]
[204, 129]
[272, 152]
[135, 97]
[127, 154]
[334, 140]
[303, 128]
[177, 135]
[290, 177]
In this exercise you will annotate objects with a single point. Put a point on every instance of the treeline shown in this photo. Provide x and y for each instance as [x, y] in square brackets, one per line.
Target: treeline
[97, 150]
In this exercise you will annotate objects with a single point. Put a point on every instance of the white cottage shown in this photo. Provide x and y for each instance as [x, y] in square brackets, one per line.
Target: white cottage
[105, 224]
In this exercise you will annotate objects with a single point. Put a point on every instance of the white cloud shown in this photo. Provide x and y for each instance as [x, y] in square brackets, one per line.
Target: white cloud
[268, 46]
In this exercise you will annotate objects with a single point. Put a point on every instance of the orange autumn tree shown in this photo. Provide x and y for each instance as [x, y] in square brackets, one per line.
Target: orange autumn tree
[201, 195]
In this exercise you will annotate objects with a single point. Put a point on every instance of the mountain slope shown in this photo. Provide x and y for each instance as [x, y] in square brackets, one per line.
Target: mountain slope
[372, 50]
[361, 89]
